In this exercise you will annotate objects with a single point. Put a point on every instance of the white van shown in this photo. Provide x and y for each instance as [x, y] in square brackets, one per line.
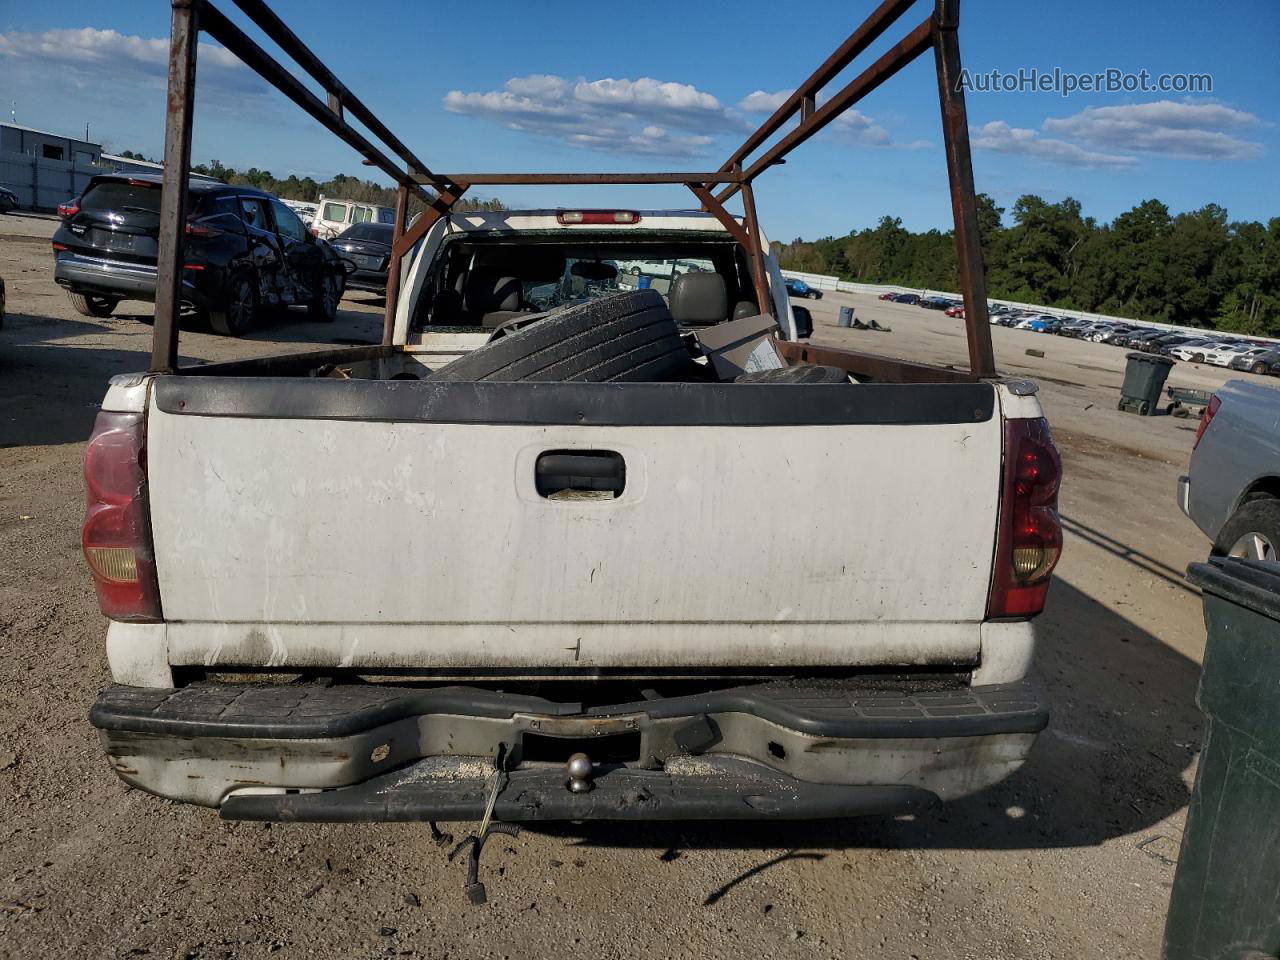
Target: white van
[333, 216]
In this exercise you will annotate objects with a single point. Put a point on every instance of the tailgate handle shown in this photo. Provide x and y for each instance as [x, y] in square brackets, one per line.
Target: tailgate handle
[558, 474]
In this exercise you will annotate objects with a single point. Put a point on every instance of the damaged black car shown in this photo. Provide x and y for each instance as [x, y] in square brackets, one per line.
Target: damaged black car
[244, 252]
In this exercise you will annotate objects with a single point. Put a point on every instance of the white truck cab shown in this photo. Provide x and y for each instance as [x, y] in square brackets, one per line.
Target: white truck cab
[334, 215]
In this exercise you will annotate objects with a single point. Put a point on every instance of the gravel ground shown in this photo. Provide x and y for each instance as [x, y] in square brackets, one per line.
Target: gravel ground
[1073, 856]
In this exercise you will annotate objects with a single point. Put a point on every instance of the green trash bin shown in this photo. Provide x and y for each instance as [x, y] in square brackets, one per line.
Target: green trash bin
[1226, 892]
[1144, 378]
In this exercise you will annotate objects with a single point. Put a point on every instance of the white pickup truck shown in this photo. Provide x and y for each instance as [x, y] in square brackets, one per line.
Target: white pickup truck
[352, 585]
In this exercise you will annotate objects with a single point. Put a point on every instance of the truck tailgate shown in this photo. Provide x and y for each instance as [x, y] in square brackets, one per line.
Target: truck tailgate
[398, 524]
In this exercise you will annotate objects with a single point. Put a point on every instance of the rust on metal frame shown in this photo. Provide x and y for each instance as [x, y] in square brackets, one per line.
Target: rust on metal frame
[184, 35]
[938, 31]
[754, 249]
[393, 266]
[554, 179]
[741, 233]
[867, 33]
[964, 205]
[870, 366]
[893, 60]
[339, 96]
[439, 207]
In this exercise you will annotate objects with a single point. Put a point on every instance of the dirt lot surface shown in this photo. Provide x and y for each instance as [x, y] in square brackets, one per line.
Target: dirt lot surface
[1072, 857]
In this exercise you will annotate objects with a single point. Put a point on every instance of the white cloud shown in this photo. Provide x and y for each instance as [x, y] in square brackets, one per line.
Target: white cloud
[678, 104]
[89, 55]
[612, 115]
[852, 126]
[651, 141]
[1179, 128]
[1002, 138]
[761, 102]
[856, 127]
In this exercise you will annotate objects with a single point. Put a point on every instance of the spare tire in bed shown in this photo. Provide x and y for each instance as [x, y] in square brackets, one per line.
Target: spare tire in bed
[804, 373]
[625, 337]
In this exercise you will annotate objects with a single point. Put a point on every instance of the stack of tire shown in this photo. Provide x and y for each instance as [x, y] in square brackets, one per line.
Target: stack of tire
[628, 337]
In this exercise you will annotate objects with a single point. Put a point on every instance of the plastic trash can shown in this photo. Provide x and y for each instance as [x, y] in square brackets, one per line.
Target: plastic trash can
[1226, 892]
[846, 317]
[1144, 378]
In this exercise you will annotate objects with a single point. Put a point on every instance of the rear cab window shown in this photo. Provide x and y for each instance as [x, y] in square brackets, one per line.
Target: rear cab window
[560, 270]
[334, 211]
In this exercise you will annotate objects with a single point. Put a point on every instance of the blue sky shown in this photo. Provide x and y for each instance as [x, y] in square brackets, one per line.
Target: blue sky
[561, 86]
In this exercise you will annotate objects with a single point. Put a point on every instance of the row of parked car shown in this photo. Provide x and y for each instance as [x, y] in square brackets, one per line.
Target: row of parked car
[1219, 349]
[1222, 350]
[952, 308]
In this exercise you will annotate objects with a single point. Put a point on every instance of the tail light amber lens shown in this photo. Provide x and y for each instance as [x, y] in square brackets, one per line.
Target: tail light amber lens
[1029, 541]
[117, 532]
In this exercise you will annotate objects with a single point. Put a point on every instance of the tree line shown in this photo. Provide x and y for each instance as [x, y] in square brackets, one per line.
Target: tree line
[1194, 269]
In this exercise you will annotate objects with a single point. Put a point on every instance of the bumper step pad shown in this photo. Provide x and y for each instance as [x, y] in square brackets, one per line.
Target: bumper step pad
[845, 709]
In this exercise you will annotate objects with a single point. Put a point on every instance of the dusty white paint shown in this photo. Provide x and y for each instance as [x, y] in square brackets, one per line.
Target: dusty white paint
[743, 545]
[139, 654]
[127, 393]
[1007, 652]
[605, 644]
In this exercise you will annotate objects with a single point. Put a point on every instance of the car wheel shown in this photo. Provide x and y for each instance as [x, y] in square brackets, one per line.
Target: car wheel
[1252, 532]
[90, 305]
[236, 314]
[1197, 358]
[625, 337]
[324, 308]
[1258, 368]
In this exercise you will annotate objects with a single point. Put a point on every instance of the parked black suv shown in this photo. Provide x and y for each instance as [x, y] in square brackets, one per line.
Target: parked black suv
[244, 250]
[368, 246]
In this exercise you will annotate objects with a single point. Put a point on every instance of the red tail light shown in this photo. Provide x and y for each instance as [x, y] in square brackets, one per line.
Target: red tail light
[202, 230]
[1210, 409]
[597, 216]
[117, 531]
[1030, 535]
[69, 209]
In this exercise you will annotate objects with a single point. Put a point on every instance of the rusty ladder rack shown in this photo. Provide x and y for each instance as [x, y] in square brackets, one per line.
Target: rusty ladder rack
[938, 30]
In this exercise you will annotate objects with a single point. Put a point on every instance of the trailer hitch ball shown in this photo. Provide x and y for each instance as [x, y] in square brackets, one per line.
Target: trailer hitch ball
[580, 771]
